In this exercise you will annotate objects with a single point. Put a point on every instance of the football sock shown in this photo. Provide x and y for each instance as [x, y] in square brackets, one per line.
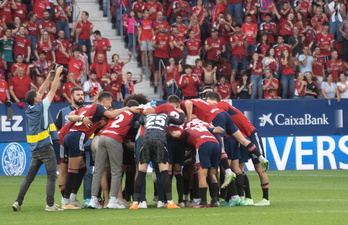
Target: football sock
[222, 191]
[71, 178]
[180, 186]
[195, 190]
[78, 181]
[252, 149]
[62, 189]
[246, 186]
[203, 194]
[232, 190]
[167, 184]
[239, 184]
[265, 190]
[225, 164]
[139, 182]
[214, 192]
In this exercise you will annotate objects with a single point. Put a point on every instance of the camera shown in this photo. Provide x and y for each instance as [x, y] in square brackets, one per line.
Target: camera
[56, 65]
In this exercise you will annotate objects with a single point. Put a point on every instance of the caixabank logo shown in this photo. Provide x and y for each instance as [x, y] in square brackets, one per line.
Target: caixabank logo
[13, 159]
[281, 119]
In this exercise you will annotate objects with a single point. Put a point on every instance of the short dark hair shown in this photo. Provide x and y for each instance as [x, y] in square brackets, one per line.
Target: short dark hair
[97, 32]
[104, 95]
[30, 97]
[132, 102]
[75, 89]
[213, 96]
[173, 99]
[77, 50]
[87, 14]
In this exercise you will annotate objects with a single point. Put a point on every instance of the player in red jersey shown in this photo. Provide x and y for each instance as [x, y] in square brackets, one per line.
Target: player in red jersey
[110, 151]
[207, 147]
[193, 47]
[83, 123]
[100, 45]
[161, 42]
[325, 41]
[22, 44]
[246, 127]
[214, 46]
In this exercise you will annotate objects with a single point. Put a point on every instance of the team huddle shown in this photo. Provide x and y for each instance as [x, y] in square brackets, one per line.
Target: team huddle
[187, 139]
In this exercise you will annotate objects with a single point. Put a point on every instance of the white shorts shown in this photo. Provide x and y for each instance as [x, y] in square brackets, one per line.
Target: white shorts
[191, 59]
[146, 46]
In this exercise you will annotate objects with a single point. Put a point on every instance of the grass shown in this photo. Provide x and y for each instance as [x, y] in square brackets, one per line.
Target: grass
[297, 197]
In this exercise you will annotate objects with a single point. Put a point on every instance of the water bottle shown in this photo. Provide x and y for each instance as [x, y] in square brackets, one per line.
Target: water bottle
[153, 103]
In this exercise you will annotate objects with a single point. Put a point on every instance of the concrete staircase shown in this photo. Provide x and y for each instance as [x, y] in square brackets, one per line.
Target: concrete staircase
[118, 46]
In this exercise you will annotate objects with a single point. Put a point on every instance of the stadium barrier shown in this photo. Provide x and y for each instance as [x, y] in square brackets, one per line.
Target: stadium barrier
[297, 134]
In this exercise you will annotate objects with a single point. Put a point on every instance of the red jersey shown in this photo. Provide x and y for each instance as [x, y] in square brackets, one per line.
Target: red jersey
[188, 85]
[156, 25]
[193, 46]
[2, 32]
[99, 48]
[153, 9]
[217, 46]
[241, 121]
[304, 8]
[118, 67]
[95, 111]
[174, 74]
[138, 7]
[298, 85]
[118, 127]
[3, 89]
[218, 9]
[114, 87]
[85, 32]
[63, 12]
[33, 28]
[268, 28]
[176, 52]
[286, 69]
[239, 49]
[21, 45]
[224, 90]
[317, 68]
[6, 12]
[21, 85]
[271, 86]
[101, 70]
[44, 46]
[197, 136]
[336, 66]
[202, 109]
[146, 30]
[61, 58]
[198, 11]
[256, 70]
[285, 27]
[39, 6]
[182, 29]
[181, 5]
[197, 71]
[251, 32]
[21, 11]
[48, 24]
[67, 89]
[162, 40]
[279, 48]
[318, 21]
[16, 65]
[75, 66]
[325, 40]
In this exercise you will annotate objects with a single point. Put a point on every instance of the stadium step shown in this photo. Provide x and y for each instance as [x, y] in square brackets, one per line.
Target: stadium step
[118, 46]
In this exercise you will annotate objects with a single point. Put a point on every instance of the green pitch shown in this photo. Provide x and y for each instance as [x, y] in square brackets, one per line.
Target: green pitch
[297, 197]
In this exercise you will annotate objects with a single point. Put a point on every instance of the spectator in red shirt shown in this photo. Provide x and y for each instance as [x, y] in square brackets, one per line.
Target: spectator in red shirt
[182, 8]
[280, 46]
[172, 76]
[39, 6]
[6, 12]
[269, 83]
[145, 36]
[325, 41]
[138, 6]
[101, 68]
[318, 65]
[84, 30]
[177, 45]
[70, 84]
[159, 21]
[62, 13]
[42, 65]
[193, 48]
[269, 28]
[4, 93]
[318, 19]
[100, 45]
[113, 86]
[76, 64]
[335, 65]
[46, 45]
[161, 43]
[250, 30]
[20, 85]
[180, 25]
[19, 63]
[238, 45]
[153, 6]
[33, 33]
[256, 76]
[61, 49]
[48, 25]
[304, 7]
[288, 73]
[220, 7]
[285, 25]
[117, 66]
[224, 88]
[188, 83]
[214, 46]
[22, 44]
[19, 9]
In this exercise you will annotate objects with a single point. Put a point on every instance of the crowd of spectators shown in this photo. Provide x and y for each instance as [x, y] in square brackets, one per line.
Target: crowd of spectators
[244, 49]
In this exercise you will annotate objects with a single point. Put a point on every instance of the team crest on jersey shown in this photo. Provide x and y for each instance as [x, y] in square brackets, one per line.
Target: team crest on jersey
[13, 159]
